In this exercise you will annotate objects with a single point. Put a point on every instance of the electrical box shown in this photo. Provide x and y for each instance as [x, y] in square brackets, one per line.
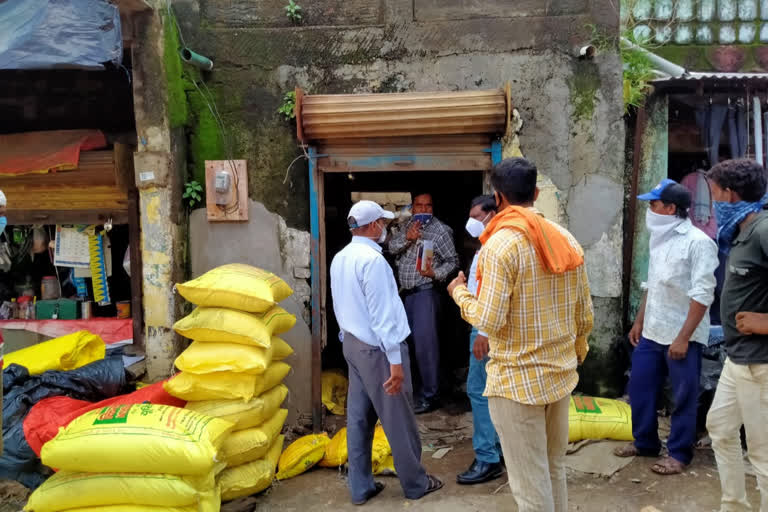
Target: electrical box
[226, 190]
[223, 186]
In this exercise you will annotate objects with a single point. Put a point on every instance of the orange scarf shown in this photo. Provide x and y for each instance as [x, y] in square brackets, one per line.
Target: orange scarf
[554, 250]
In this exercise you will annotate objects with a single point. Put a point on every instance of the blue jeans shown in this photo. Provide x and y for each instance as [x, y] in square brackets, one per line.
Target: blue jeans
[485, 441]
[650, 367]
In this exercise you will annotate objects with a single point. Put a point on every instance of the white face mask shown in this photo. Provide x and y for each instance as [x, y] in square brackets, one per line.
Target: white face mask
[383, 236]
[661, 227]
[475, 227]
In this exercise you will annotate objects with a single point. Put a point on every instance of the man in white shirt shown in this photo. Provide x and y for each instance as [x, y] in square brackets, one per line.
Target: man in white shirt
[485, 441]
[671, 327]
[373, 328]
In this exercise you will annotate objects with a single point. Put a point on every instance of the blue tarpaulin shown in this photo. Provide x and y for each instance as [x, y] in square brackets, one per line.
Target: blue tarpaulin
[49, 34]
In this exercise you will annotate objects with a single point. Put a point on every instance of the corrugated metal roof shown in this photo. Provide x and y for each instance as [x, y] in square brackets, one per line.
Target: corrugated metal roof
[345, 116]
[697, 76]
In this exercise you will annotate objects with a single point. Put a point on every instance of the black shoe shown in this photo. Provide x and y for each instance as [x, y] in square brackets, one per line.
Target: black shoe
[378, 487]
[425, 406]
[480, 472]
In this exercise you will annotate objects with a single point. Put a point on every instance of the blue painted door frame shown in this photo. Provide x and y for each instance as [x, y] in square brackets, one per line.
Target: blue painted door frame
[317, 259]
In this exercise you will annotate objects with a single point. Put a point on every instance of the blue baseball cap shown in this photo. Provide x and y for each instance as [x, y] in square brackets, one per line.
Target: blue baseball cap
[656, 193]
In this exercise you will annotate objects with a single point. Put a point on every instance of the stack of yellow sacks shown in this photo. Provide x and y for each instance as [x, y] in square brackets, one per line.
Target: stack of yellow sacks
[234, 368]
[134, 458]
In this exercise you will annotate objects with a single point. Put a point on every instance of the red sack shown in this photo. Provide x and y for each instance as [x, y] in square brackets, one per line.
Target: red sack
[47, 416]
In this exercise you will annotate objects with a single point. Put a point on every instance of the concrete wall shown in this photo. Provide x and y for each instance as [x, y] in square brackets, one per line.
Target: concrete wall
[266, 242]
[571, 109]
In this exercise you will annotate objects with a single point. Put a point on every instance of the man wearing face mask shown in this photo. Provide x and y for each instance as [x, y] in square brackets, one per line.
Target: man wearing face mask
[487, 464]
[533, 300]
[671, 328]
[420, 294]
[741, 398]
[373, 328]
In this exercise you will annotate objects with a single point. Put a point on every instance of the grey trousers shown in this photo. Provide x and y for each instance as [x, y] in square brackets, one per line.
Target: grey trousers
[366, 402]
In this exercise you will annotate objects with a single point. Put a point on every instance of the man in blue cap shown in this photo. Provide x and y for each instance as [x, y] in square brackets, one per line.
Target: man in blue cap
[673, 313]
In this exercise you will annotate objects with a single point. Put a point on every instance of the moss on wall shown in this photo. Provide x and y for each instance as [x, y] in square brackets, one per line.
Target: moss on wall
[583, 85]
[205, 138]
[178, 111]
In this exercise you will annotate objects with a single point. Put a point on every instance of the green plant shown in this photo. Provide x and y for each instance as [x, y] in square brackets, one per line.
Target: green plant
[637, 71]
[193, 193]
[288, 108]
[293, 11]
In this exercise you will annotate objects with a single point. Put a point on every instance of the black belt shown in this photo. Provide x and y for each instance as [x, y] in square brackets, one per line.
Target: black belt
[420, 288]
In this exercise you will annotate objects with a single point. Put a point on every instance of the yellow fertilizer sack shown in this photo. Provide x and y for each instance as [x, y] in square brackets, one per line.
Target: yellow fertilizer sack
[381, 449]
[334, 389]
[212, 386]
[66, 353]
[203, 357]
[244, 414]
[253, 477]
[208, 503]
[335, 451]
[599, 418]
[66, 490]
[236, 286]
[301, 455]
[252, 443]
[222, 325]
[138, 438]
[280, 349]
[385, 467]
[274, 375]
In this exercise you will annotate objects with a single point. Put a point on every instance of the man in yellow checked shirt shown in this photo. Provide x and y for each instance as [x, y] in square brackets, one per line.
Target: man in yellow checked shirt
[534, 302]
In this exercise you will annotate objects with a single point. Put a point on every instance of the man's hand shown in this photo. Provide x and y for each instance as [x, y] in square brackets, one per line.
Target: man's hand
[460, 280]
[678, 349]
[395, 382]
[414, 232]
[429, 271]
[752, 323]
[635, 334]
[480, 349]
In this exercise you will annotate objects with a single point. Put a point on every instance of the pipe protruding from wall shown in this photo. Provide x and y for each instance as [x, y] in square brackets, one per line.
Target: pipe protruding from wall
[587, 52]
[197, 60]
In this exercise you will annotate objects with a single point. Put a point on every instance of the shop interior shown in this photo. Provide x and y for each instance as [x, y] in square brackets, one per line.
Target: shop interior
[453, 192]
[65, 254]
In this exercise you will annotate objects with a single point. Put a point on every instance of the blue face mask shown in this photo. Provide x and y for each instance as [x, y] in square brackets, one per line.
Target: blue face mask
[729, 216]
[423, 218]
[3, 223]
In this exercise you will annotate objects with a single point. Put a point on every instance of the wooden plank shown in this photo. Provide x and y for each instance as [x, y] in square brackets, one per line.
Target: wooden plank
[367, 163]
[94, 216]
[124, 173]
[237, 208]
[134, 240]
[65, 198]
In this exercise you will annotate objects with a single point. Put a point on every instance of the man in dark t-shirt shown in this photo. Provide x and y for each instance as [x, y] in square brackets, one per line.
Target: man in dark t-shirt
[739, 187]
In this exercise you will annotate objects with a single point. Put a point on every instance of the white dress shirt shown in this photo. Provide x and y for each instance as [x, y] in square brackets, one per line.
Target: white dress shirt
[681, 269]
[472, 282]
[365, 298]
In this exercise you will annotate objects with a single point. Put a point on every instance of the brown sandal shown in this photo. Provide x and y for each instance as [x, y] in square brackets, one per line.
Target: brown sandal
[668, 466]
[628, 450]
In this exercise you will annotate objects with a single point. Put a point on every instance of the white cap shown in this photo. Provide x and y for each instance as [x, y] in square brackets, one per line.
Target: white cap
[365, 212]
[2, 199]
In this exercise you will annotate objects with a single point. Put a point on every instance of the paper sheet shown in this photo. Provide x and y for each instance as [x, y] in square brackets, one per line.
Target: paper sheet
[71, 247]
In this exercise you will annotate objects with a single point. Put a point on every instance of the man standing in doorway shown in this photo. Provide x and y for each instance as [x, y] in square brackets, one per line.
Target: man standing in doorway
[534, 302]
[673, 313]
[420, 294]
[487, 464]
[373, 329]
[741, 398]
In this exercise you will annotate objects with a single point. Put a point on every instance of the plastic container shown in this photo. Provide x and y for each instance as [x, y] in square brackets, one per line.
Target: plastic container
[50, 288]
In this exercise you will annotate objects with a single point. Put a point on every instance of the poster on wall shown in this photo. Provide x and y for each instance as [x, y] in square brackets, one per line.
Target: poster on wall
[71, 248]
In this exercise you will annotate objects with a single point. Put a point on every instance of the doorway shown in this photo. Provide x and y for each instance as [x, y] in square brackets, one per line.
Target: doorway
[452, 192]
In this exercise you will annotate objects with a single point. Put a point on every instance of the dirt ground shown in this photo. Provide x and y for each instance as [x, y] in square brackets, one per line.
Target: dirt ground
[631, 489]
